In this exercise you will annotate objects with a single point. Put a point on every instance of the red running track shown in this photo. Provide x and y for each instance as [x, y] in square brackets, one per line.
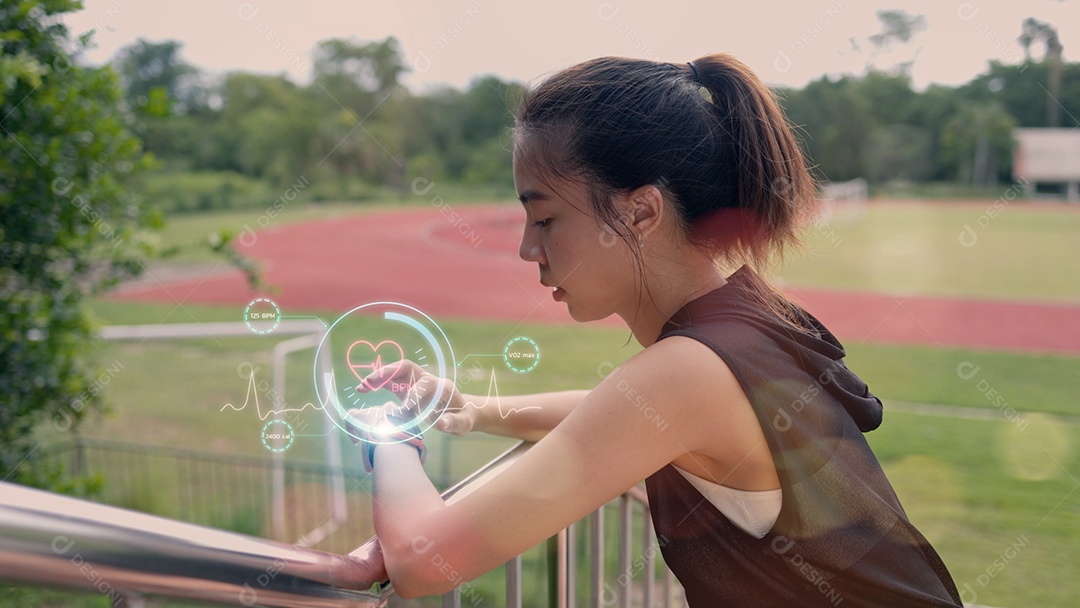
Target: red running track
[462, 262]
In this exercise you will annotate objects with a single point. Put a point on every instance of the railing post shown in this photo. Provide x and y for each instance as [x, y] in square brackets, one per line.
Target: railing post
[513, 583]
[560, 569]
[79, 457]
[596, 555]
[667, 586]
[625, 546]
[571, 566]
[452, 599]
[649, 553]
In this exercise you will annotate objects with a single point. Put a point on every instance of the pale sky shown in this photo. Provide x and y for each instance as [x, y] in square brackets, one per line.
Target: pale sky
[451, 41]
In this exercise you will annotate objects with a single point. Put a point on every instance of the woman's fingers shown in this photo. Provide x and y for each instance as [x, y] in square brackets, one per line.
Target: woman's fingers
[422, 395]
[395, 378]
[365, 416]
[430, 397]
[454, 423]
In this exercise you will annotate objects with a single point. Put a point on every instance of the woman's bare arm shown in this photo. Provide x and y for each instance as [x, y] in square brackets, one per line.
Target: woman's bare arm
[606, 444]
[527, 417]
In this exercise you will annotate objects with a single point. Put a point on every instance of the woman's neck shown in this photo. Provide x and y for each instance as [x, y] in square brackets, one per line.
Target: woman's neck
[669, 289]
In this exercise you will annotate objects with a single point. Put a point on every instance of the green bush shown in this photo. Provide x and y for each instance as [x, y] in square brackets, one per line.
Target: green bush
[69, 227]
[187, 191]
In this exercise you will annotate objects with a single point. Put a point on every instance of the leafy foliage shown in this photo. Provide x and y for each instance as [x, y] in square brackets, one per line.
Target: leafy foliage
[68, 226]
[355, 122]
[878, 127]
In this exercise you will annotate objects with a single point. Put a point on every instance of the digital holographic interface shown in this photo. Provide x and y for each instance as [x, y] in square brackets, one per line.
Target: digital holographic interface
[379, 354]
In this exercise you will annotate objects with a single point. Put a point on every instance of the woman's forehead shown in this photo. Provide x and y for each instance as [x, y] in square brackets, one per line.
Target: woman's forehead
[537, 185]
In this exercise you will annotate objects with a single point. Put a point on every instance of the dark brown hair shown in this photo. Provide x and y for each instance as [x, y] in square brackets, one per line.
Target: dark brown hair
[711, 137]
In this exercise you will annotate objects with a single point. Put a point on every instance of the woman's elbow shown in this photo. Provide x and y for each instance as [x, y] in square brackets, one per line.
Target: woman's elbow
[418, 569]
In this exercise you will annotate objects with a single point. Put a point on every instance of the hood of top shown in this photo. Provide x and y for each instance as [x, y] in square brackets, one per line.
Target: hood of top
[812, 346]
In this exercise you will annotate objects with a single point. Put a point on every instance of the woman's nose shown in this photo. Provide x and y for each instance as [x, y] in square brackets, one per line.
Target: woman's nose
[530, 249]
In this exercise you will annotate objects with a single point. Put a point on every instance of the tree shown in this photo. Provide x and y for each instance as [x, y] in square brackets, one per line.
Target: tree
[159, 88]
[68, 228]
[155, 80]
[979, 140]
[356, 83]
[835, 121]
[1033, 30]
[1021, 90]
[897, 27]
[270, 126]
[930, 111]
[898, 152]
[461, 136]
[359, 76]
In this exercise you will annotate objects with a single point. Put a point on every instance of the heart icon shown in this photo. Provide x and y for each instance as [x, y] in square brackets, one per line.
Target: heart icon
[370, 358]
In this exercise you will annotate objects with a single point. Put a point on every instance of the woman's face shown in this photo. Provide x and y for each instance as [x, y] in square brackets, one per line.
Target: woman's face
[589, 268]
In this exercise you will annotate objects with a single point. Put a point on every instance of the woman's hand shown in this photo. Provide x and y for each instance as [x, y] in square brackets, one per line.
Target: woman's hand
[370, 556]
[416, 389]
[365, 419]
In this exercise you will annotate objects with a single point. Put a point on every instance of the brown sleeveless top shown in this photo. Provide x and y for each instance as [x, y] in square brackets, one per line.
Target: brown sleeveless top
[842, 537]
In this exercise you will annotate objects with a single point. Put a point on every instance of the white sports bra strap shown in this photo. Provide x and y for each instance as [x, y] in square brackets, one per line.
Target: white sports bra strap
[753, 512]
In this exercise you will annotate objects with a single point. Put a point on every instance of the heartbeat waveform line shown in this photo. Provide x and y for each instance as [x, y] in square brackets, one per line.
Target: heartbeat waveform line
[376, 368]
[258, 411]
[377, 365]
[478, 355]
[493, 386]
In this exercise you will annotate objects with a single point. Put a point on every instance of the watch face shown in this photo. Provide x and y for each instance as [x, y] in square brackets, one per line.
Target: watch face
[363, 360]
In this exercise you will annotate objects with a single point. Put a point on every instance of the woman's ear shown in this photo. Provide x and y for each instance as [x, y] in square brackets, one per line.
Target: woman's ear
[645, 210]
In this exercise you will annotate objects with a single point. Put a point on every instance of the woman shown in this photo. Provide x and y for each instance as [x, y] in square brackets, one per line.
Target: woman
[652, 192]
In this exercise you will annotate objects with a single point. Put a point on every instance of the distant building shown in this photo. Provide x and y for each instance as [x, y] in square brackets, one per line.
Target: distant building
[1047, 162]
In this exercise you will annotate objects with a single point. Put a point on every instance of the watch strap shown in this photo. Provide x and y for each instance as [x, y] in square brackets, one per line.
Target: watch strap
[404, 431]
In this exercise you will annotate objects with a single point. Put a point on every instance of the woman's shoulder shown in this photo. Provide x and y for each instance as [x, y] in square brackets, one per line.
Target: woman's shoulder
[686, 373]
[682, 351]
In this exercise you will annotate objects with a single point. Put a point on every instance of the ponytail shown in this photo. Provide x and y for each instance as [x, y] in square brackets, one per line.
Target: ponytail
[773, 187]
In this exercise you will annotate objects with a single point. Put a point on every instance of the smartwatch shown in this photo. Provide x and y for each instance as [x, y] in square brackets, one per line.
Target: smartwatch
[388, 428]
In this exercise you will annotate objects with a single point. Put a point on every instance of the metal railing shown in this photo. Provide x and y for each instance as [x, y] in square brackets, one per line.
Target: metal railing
[50, 540]
[312, 332]
[636, 578]
[229, 491]
[54, 541]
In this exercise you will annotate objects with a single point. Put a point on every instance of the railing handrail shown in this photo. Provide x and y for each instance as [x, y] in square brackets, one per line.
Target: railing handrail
[51, 540]
[57, 541]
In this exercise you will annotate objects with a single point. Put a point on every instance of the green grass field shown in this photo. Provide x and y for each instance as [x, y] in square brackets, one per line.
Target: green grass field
[998, 499]
[1026, 252]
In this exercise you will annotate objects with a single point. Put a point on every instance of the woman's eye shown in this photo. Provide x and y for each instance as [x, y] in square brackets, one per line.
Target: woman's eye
[542, 223]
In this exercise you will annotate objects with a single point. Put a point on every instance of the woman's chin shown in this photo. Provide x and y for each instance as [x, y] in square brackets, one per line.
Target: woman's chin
[583, 314]
[577, 313]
